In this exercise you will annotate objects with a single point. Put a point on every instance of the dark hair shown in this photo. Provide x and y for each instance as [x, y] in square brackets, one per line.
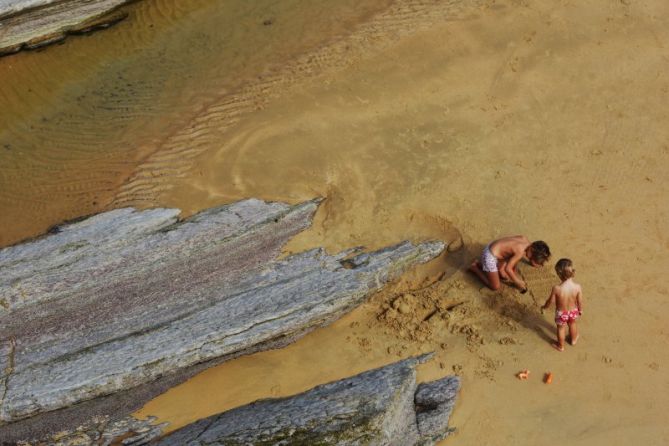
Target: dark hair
[540, 251]
[565, 269]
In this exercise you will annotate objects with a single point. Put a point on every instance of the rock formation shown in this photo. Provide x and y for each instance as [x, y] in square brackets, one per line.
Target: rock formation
[31, 24]
[379, 407]
[113, 304]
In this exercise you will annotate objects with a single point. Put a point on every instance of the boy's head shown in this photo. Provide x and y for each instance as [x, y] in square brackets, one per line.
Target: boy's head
[565, 269]
[538, 252]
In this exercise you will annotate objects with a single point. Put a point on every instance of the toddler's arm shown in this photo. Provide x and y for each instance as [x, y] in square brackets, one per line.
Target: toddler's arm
[579, 301]
[550, 300]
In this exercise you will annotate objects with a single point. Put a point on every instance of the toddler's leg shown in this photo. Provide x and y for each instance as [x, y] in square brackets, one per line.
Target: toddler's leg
[561, 334]
[573, 332]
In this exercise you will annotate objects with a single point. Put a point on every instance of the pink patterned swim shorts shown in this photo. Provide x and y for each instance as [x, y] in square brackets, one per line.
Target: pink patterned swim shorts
[564, 317]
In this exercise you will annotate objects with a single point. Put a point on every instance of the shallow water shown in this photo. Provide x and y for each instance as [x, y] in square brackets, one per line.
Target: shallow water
[78, 118]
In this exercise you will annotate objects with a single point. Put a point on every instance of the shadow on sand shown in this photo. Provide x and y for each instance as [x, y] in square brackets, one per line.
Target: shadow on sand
[508, 302]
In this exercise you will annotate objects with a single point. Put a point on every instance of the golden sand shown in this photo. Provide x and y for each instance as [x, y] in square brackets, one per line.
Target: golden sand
[536, 117]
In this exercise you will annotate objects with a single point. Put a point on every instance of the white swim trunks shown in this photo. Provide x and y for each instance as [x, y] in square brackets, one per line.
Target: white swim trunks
[488, 260]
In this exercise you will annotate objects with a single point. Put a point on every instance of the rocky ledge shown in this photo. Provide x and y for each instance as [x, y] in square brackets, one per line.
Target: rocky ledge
[129, 302]
[29, 24]
[379, 407]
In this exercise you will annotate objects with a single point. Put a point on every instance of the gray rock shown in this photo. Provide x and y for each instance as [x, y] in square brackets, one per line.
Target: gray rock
[34, 23]
[100, 431]
[378, 407]
[434, 394]
[373, 408]
[434, 404]
[123, 298]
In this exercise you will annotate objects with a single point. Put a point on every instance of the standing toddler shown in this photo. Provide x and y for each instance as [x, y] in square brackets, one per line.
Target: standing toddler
[568, 298]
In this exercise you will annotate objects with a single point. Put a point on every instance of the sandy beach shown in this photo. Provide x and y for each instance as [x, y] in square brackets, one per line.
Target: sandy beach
[420, 120]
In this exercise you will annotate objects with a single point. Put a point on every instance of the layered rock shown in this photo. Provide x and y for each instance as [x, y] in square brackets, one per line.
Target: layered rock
[101, 431]
[34, 23]
[434, 403]
[121, 299]
[379, 407]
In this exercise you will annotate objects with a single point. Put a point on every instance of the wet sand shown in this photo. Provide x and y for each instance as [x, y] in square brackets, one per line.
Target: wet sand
[77, 119]
[516, 117]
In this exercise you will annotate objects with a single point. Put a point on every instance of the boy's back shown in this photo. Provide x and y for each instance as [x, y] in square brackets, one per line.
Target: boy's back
[507, 247]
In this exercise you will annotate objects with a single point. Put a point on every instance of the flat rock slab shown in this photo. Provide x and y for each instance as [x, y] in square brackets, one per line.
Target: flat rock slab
[373, 408]
[126, 297]
[33, 23]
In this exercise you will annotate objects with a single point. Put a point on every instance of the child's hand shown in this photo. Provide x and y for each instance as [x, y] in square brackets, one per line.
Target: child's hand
[523, 287]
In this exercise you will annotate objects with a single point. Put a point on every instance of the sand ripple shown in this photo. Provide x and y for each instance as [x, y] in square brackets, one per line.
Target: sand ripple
[174, 156]
[153, 90]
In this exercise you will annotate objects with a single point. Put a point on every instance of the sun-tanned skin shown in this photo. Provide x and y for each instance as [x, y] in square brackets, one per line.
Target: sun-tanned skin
[508, 251]
[567, 296]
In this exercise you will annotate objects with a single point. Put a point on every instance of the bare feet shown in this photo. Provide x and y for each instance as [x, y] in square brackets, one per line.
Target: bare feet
[557, 347]
[573, 341]
[489, 278]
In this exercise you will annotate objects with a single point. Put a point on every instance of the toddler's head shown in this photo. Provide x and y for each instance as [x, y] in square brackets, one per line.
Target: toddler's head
[565, 269]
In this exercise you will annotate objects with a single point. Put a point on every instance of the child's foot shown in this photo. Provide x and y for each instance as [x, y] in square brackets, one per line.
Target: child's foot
[573, 341]
[557, 347]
